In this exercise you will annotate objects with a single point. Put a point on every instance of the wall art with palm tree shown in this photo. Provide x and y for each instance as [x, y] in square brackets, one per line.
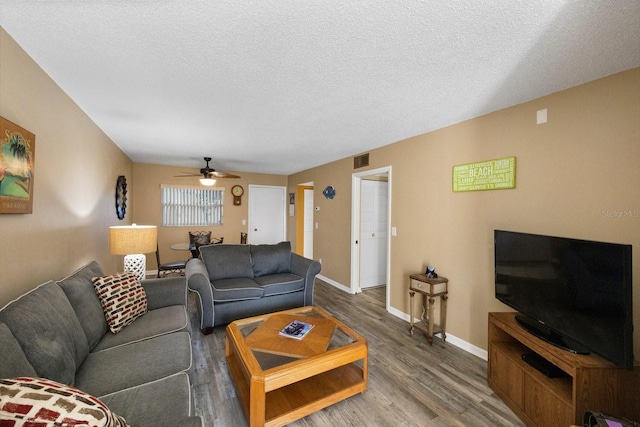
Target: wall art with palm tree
[17, 156]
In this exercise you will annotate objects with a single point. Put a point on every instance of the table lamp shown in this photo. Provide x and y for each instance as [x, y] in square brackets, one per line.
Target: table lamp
[133, 241]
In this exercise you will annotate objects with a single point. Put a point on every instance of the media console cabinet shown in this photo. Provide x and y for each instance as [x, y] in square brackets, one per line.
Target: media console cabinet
[590, 382]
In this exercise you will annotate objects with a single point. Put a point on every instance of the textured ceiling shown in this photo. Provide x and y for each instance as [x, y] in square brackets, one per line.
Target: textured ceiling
[277, 86]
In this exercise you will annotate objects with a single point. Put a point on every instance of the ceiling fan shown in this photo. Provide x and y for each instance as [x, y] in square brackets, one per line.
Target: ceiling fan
[209, 175]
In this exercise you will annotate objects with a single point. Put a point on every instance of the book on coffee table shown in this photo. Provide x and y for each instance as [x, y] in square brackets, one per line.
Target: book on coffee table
[296, 329]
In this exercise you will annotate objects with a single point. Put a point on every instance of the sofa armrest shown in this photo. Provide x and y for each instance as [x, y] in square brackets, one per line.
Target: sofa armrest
[164, 292]
[308, 269]
[198, 282]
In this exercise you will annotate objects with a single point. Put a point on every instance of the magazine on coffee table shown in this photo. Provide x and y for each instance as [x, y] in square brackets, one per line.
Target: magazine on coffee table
[296, 329]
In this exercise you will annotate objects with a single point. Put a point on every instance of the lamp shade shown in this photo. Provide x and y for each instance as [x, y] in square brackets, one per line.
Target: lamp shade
[208, 181]
[133, 239]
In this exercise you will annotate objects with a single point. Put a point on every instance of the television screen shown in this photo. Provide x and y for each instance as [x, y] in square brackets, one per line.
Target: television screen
[574, 293]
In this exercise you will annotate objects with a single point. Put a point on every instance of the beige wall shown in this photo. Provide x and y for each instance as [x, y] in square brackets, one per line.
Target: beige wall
[571, 171]
[76, 167]
[148, 178]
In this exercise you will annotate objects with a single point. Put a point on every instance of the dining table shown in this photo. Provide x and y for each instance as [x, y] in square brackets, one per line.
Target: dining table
[186, 246]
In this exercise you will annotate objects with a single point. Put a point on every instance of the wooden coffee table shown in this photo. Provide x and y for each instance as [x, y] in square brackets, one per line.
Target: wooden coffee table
[281, 379]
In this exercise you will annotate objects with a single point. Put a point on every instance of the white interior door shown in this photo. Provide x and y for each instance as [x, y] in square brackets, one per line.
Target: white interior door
[267, 214]
[373, 233]
[308, 223]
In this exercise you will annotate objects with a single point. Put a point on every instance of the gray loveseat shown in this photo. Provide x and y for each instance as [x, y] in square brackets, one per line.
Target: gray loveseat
[58, 331]
[237, 281]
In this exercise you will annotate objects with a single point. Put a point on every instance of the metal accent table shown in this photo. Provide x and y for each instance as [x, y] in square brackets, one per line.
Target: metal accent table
[430, 289]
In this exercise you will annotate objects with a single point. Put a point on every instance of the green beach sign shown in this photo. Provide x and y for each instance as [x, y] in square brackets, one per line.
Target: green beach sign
[496, 174]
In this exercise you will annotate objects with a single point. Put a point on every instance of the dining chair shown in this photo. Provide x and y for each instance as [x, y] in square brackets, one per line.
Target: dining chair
[169, 267]
[197, 239]
[212, 241]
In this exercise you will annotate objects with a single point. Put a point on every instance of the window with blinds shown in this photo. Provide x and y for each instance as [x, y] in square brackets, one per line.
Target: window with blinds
[191, 205]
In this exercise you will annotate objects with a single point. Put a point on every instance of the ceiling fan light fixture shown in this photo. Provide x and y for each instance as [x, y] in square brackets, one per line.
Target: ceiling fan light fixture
[209, 182]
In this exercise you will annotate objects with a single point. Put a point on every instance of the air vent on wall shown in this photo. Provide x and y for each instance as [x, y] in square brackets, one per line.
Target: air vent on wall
[361, 161]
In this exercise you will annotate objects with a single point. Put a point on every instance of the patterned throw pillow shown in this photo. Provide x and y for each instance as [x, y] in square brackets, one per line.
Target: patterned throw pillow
[40, 402]
[123, 299]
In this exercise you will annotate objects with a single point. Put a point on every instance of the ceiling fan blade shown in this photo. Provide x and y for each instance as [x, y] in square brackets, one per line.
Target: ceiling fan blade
[187, 175]
[216, 174]
[208, 172]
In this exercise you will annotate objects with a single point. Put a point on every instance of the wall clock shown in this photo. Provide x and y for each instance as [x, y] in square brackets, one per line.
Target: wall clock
[237, 192]
[121, 196]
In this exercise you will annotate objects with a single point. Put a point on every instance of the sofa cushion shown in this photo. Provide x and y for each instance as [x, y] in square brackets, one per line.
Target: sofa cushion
[42, 402]
[46, 326]
[276, 284]
[235, 289]
[271, 259]
[166, 402]
[165, 291]
[123, 299]
[83, 298]
[117, 368]
[13, 363]
[154, 323]
[226, 261]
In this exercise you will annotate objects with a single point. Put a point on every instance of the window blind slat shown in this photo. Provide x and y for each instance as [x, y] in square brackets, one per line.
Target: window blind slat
[191, 206]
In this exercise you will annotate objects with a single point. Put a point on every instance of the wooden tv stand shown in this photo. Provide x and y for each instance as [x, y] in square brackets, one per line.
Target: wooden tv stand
[592, 383]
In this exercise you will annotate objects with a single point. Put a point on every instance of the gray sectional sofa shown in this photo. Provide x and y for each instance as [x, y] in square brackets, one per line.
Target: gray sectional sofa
[58, 331]
[237, 281]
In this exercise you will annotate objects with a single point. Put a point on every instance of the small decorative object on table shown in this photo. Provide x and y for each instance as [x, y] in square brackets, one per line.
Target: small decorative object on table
[431, 272]
[296, 329]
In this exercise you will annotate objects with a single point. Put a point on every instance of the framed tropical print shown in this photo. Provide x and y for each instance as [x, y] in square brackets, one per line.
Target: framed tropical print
[17, 157]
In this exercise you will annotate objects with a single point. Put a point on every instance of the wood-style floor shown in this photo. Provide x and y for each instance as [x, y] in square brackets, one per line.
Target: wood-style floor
[410, 383]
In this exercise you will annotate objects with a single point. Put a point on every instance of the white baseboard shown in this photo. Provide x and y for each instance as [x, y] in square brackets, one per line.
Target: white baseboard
[468, 347]
[335, 284]
[451, 339]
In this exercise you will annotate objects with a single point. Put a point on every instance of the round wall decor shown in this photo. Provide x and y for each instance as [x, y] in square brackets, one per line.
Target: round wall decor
[329, 192]
[121, 196]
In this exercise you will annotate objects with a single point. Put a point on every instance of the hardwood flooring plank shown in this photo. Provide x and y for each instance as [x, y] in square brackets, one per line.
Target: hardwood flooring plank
[411, 384]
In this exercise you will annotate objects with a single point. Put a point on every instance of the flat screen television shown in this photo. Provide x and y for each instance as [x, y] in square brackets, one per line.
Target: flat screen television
[573, 293]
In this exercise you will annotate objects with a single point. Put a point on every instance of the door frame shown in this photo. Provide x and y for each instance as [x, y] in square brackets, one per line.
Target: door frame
[300, 199]
[356, 179]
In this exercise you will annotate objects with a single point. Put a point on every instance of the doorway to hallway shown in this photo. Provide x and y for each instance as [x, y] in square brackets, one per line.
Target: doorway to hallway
[304, 220]
[373, 231]
[370, 229]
